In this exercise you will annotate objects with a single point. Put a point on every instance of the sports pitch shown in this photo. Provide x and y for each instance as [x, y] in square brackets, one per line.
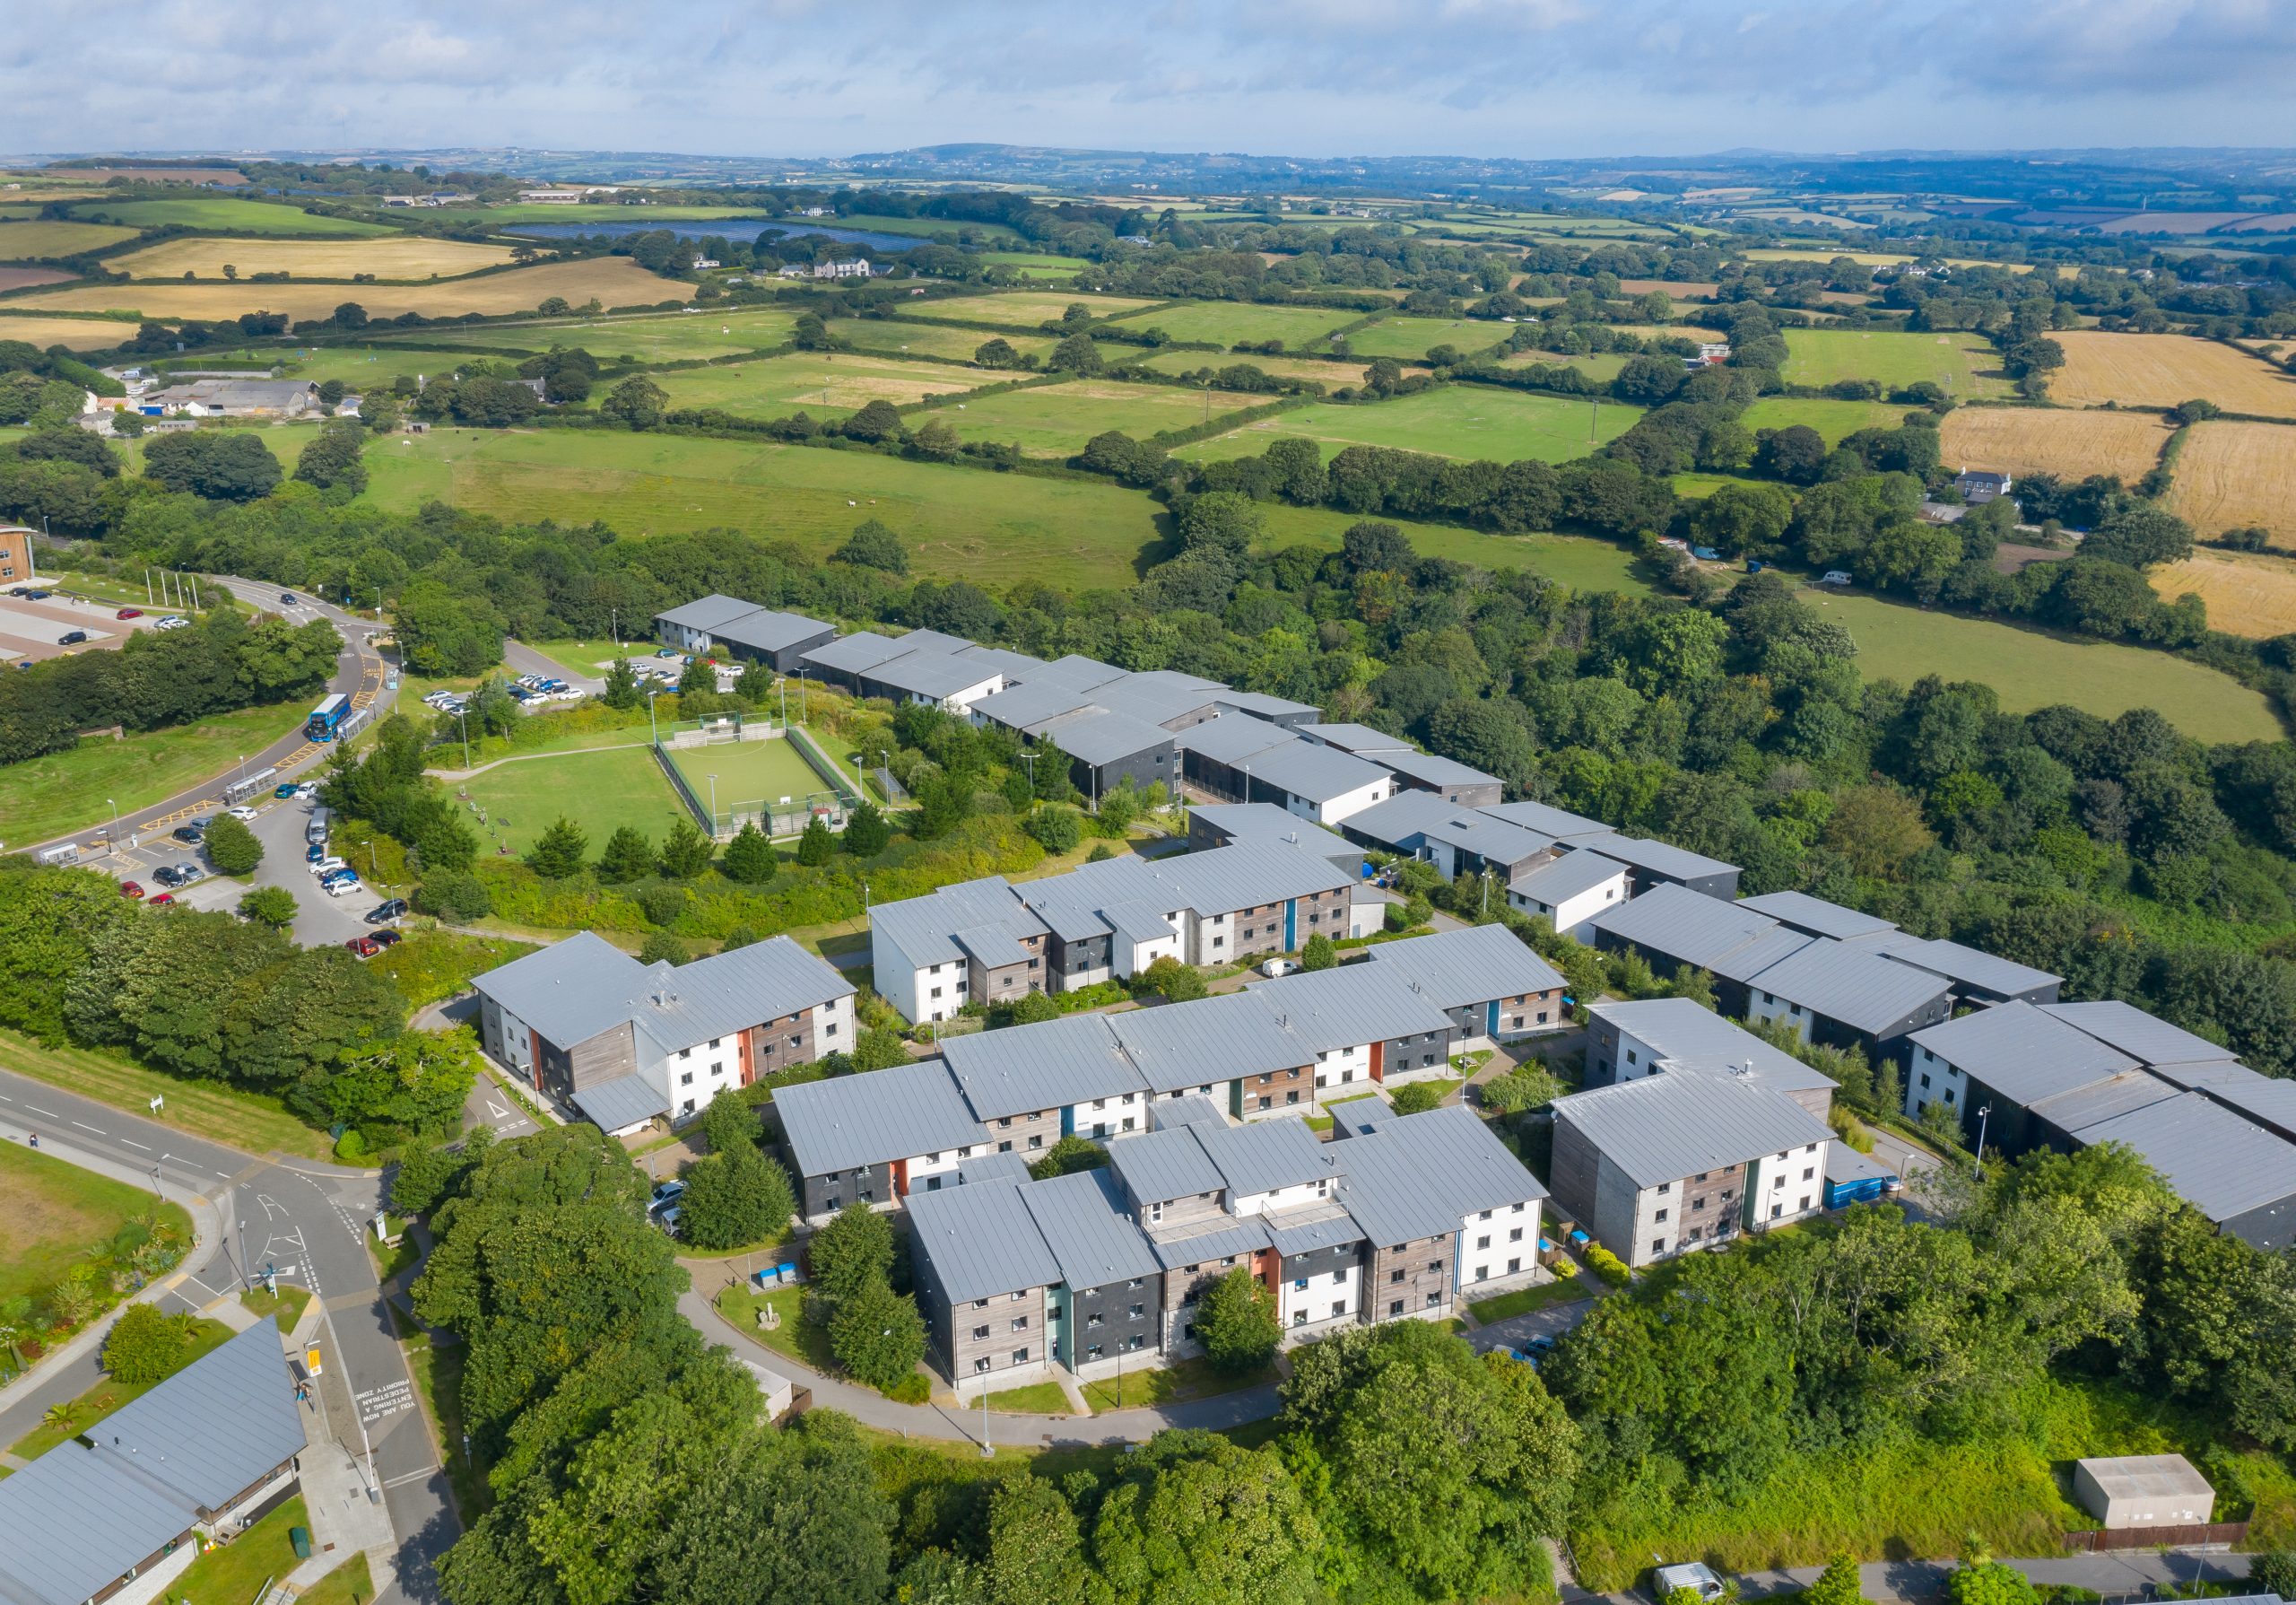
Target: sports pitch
[748, 772]
[601, 791]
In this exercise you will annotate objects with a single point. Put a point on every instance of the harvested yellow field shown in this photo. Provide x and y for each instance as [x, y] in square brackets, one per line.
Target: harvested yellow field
[614, 281]
[81, 333]
[395, 257]
[2248, 593]
[2237, 476]
[2163, 370]
[19, 241]
[2071, 445]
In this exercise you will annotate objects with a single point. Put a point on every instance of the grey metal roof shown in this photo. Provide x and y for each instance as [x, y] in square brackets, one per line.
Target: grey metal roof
[1845, 1163]
[1242, 877]
[1211, 1040]
[1544, 817]
[1084, 1226]
[1663, 1127]
[2022, 1051]
[1848, 984]
[924, 928]
[1354, 738]
[1433, 769]
[706, 614]
[1230, 1236]
[1689, 1037]
[1074, 669]
[1970, 966]
[2101, 1101]
[2140, 1035]
[1558, 880]
[1752, 957]
[1660, 858]
[1685, 925]
[1401, 822]
[856, 653]
[625, 1101]
[933, 673]
[1013, 665]
[1159, 697]
[991, 947]
[728, 992]
[1097, 736]
[1235, 740]
[2267, 1100]
[992, 1166]
[1254, 823]
[2218, 1161]
[570, 991]
[1262, 1156]
[898, 1113]
[1033, 704]
[1259, 704]
[1074, 906]
[1475, 831]
[1023, 1069]
[1816, 916]
[77, 1518]
[1157, 1166]
[1473, 964]
[1293, 1232]
[1187, 1112]
[1350, 1005]
[981, 1240]
[1315, 773]
[1421, 1175]
[768, 631]
[1352, 1117]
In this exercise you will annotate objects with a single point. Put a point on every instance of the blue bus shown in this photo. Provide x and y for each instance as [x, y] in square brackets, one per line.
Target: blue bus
[326, 719]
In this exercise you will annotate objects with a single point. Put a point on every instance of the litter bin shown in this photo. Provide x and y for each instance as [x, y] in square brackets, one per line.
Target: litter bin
[300, 1537]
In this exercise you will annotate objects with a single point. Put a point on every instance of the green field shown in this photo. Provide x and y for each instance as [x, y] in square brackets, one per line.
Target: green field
[1414, 337]
[1462, 421]
[893, 338]
[2033, 670]
[208, 1109]
[284, 442]
[1831, 419]
[748, 773]
[948, 230]
[42, 798]
[1057, 419]
[1577, 560]
[1963, 363]
[1031, 266]
[222, 215]
[600, 791]
[361, 366]
[19, 241]
[824, 384]
[1226, 323]
[643, 338]
[1025, 309]
[1601, 365]
[56, 1213]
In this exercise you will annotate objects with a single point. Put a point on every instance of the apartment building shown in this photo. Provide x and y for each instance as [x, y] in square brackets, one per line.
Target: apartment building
[1626, 1041]
[734, 628]
[627, 1042]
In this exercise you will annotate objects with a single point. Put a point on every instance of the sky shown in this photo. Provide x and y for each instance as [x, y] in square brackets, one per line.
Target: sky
[1523, 78]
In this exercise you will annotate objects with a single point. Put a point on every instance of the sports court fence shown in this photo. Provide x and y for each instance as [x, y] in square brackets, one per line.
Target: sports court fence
[722, 819]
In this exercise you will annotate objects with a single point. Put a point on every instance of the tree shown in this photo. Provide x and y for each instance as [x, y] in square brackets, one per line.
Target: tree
[817, 847]
[621, 692]
[873, 545]
[867, 831]
[1069, 1154]
[1415, 1097]
[2140, 536]
[996, 352]
[877, 420]
[1077, 354]
[1196, 1519]
[749, 860]
[638, 401]
[1320, 952]
[1837, 1584]
[225, 467]
[628, 856]
[1055, 830]
[1986, 1581]
[1036, 1549]
[686, 852]
[1529, 1086]
[1236, 1321]
[232, 847]
[1173, 981]
[1877, 828]
[877, 1336]
[2273, 1571]
[853, 1249]
[558, 851]
[333, 461]
[1221, 521]
[736, 1196]
[269, 905]
[146, 1347]
[1793, 454]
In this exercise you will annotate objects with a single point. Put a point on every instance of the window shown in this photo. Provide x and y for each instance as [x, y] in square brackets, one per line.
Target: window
[1020, 1323]
[1339, 1275]
[1516, 1235]
[1483, 1273]
[685, 1054]
[1017, 1297]
[1804, 1204]
[1138, 1310]
[1776, 1210]
[1037, 1142]
[936, 992]
[1660, 1216]
[1298, 1317]
[980, 1334]
[1004, 1148]
[1395, 1275]
[1434, 1266]
[981, 1363]
[1339, 1306]
[1300, 1286]
[1020, 1357]
[1395, 1308]
[1005, 1124]
[1697, 1204]
[685, 1078]
[1665, 1187]
[1657, 1245]
[1484, 1241]
[829, 1203]
[1808, 1170]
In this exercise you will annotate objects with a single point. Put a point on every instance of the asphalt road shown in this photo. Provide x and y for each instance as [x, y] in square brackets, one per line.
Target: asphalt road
[302, 1217]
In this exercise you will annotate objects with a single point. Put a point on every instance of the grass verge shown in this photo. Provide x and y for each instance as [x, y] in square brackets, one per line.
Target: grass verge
[72, 791]
[1038, 1399]
[239, 1570]
[349, 1583]
[438, 1380]
[1193, 1378]
[238, 1120]
[286, 1305]
[58, 1214]
[1546, 1296]
[794, 1337]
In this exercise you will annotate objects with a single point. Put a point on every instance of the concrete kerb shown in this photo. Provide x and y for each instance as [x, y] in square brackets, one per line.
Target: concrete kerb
[206, 1230]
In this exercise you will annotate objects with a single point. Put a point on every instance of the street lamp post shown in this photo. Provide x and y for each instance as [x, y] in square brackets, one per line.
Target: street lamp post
[462, 717]
[650, 718]
[713, 803]
[1981, 1115]
[114, 824]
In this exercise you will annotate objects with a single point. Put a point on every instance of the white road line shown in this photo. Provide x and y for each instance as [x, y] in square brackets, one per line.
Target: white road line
[51, 1114]
[85, 1127]
[407, 1477]
[132, 1143]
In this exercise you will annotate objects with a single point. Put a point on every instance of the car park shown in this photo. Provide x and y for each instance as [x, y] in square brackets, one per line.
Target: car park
[178, 876]
[129, 613]
[128, 888]
[384, 913]
[306, 790]
[364, 946]
[190, 834]
[343, 885]
[71, 638]
[388, 938]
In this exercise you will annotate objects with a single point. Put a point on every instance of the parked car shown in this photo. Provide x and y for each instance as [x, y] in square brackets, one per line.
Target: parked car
[306, 790]
[172, 622]
[283, 791]
[382, 914]
[343, 885]
[1274, 967]
[1693, 1574]
[242, 813]
[128, 888]
[71, 638]
[190, 834]
[317, 850]
[38, 596]
[669, 1219]
[364, 946]
[183, 874]
[667, 652]
[326, 864]
[388, 938]
[159, 897]
[129, 613]
[666, 1193]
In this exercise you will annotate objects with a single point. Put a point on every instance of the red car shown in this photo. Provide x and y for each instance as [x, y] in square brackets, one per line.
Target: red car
[128, 888]
[160, 898]
[129, 613]
[364, 946]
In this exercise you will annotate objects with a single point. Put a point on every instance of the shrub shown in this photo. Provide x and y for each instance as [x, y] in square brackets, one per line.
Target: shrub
[145, 1346]
[453, 895]
[1055, 830]
[232, 848]
[270, 906]
[749, 860]
[1607, 1265]
[1416, 1097]
[660, 946]
[1237, 1321]
[1321, 953]
[1177, 983]
[816, 847]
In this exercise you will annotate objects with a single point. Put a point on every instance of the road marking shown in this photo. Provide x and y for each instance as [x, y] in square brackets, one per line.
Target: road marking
[49, 1113]
[85, 1127]
[132, 1143]
[407, 1477]
[379, 1404]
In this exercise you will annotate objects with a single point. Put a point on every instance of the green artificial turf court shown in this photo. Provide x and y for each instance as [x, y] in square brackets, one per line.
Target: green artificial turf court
[600, 791]
[1463, 421]
[1226, 323]
[748, 772]
[1963, 363]
[1414, 337]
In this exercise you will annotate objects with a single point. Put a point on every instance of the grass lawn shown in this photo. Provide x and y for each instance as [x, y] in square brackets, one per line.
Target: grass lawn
[748, 773]
[73, 790]
[591, 657]
[1193, 1378]
[224, 212]
[1226, 323]
[431, 965]
[825, 384]
[247, 1120]
[1524, 1300]
[1038, 1399]
[57, 1212]
[600, 791]
[55, 238]
[1057, 419]
[1414, 337]
[795, 1337]
[104, 1396]
[237, 1570]
[894, 338]
[642, 338]
[1831, 419]
[1965, 364]
[349, 1583]
[439, 1380]
[286, 1305]
[1026, 309]
[1476, 422]
[2032, 668]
